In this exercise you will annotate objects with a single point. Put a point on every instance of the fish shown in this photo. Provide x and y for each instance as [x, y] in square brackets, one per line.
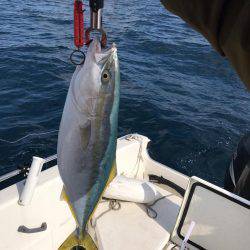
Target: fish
[86, 148]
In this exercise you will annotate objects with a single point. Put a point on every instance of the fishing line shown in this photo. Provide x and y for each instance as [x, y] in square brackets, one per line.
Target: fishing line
[29, 135]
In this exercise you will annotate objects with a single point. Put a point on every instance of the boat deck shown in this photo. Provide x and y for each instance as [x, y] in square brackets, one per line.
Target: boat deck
[138, 229]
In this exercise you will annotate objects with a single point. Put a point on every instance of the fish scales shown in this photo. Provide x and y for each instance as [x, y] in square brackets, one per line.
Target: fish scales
[88, 130]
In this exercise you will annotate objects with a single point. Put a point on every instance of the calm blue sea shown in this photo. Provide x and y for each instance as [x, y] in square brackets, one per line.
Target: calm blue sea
[175, 88]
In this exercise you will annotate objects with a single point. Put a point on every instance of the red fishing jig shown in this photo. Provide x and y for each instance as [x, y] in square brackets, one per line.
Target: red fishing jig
[78, 33]
[78, 24]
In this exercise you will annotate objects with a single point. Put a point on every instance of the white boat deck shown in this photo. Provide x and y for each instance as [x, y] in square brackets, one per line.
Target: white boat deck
[132, 222]
[217, 213]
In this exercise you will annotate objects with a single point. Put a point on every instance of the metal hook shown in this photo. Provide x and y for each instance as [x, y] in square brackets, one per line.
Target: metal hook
[103, 38]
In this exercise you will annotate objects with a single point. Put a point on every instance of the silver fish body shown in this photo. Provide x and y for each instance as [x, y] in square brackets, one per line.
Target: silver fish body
[88, 130]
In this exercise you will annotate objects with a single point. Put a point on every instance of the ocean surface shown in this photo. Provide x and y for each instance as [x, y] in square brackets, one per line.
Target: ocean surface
[175, 88]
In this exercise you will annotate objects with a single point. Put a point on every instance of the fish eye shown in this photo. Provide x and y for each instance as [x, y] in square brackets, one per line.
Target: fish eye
[105, 76]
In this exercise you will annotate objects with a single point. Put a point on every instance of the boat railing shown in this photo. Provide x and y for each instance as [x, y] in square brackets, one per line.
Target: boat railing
[32, 174]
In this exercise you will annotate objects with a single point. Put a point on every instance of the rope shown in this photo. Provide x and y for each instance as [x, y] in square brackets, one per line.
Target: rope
[149, 208]
[113, 203]
[136, 167]
[28, 135]
[116, 205]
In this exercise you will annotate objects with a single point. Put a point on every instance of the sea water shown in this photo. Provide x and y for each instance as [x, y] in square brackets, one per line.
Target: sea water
[175, 88]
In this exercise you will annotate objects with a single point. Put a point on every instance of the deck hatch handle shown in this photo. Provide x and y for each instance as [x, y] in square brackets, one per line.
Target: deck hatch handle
[24, 229]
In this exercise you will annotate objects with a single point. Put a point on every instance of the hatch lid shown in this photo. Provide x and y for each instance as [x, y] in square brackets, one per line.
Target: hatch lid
[221, 218]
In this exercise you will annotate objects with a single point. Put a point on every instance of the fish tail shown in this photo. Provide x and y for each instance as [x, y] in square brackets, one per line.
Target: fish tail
[72, 241]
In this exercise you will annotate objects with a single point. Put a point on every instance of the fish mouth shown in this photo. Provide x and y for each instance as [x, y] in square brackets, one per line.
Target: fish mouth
[108, 54]
[102, 55]
[109, 51]
[96, 45]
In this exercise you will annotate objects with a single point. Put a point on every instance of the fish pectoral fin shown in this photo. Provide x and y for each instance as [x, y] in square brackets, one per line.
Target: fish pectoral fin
[85, 133]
